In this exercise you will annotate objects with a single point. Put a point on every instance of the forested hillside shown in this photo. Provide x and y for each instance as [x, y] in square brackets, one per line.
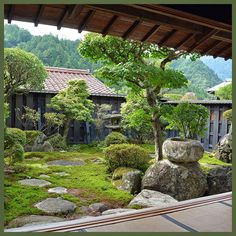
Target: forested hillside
[63, 53]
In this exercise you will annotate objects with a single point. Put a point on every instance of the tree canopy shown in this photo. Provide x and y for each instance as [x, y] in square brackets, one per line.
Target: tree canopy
[73, 102]
[23, 71]
[225, 93]
[140, 66]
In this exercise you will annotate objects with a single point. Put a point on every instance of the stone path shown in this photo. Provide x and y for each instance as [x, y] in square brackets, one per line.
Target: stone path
[61, 173]
[34, 182]
[65, 163]
[59, 190]
[56, 205]
[44, 176]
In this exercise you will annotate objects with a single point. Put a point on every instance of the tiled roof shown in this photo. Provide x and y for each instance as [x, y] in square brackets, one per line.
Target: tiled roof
[201, 102]
[59, 77]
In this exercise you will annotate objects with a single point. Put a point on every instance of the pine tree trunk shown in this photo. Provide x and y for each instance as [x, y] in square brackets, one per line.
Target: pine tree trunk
[156, 123]
[66, 130]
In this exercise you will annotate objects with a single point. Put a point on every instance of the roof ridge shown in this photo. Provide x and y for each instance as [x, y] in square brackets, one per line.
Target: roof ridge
[67, 70]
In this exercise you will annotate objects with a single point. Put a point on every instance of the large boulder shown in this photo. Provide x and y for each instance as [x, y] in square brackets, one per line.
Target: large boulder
[223, 150]
[219, 180]
[181, 181]
[150, 198]
[98, 207]
[40, 145]
[131, 182]
[182, 151]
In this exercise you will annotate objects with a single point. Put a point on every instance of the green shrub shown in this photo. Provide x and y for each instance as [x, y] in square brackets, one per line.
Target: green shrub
[126, 155]
[14, 136]
[18, 153]
[228, 115]
[115, 138]
[57, 142]
[31, 136]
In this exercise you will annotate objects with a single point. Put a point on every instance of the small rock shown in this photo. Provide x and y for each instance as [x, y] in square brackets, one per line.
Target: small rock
[98, 207]
[150, 198]
[223, 150]
[56, 205]
[117, 210]
[65, 163]
[59, 190]
[219, 180]
[34, 182]
[44, 176]
[61, 173]
[33, 219]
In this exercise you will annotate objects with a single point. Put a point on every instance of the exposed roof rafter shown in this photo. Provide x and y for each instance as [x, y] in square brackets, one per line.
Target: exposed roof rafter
[188, 38]
[167, 37]
[226, 47]
[150, 33]
[63, 17]
[86, 20]
[131, 29]
[39, 14]
[10, 13]
[109, 25]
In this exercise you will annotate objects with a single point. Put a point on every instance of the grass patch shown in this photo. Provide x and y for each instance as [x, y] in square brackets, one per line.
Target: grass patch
[209, 158]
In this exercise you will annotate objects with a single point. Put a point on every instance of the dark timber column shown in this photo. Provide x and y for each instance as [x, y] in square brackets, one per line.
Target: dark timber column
[19, 104]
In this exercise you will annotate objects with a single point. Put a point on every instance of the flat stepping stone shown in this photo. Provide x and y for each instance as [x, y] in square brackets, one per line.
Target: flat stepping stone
[56, 206]
[65, 163]
[33, 220]
[60, 190]
[61, 173]
[45, 176]
[34, 182]
[117, 211]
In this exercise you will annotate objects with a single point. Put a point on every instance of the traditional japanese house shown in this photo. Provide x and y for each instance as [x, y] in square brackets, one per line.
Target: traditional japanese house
[80, 132]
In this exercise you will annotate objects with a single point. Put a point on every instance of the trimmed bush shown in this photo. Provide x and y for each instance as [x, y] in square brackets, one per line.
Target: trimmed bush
[18, 153]
[14, 136]
[31, 136]
[126, 155]
[115, 138]
[57, 142]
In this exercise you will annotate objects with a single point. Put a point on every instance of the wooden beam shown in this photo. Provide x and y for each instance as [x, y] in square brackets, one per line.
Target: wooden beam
[203, 39]
[218, 52]
[211, 48]
[63, 17]
[86, 20]
[109, 25]
[39, 14]
[150, 33]
[146, 15]
[131, 29]
[74, 11]
[188, 38]
[167, 37]
[10, 13]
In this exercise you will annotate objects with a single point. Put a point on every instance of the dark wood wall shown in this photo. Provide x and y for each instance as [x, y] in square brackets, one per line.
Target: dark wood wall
[80, 132]
[217, 126]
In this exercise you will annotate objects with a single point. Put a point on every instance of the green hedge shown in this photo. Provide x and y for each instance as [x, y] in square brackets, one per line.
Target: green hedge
[115, 138]
[57, 142]
[126, 155]
[13, 136]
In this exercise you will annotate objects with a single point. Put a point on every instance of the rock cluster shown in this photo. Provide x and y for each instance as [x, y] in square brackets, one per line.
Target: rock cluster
[223, 149]
[180, 176]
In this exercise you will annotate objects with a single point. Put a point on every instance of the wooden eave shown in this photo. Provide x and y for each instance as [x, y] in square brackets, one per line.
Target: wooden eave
[152, 23]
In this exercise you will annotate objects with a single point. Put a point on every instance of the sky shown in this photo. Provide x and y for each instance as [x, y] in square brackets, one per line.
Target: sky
[63, 33]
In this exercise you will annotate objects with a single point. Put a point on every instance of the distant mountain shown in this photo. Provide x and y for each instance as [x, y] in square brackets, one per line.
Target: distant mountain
[51, 50]
[201, 77]
[221, 67]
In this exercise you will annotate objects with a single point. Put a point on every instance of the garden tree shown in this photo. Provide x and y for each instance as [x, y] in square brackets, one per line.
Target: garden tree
[141, 66]
[23, 71]
[28, 118]
[225, 93]
[189, 119]
[101, 112]
[73, 102]
[136, 117]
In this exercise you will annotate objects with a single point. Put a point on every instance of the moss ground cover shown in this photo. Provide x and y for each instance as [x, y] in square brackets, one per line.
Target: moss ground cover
[87, 184]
